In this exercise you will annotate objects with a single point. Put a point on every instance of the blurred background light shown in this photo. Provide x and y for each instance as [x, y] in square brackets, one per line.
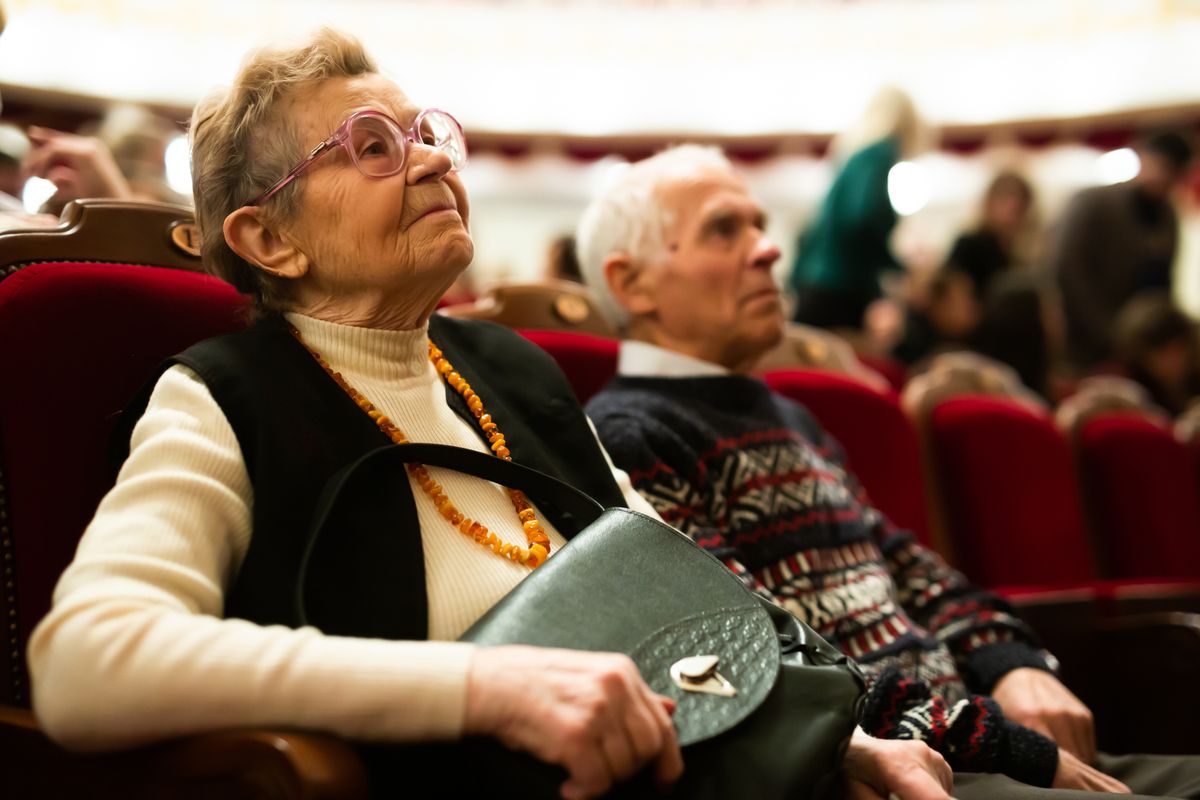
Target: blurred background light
[36, 192]
[1117, 166]
[908, 187]
[178, 158]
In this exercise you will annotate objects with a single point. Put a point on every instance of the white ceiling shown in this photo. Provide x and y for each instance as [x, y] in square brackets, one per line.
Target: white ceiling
[629, 67]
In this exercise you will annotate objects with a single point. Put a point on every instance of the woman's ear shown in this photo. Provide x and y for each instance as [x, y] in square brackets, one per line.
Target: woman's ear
[260, 243]
[631, 284]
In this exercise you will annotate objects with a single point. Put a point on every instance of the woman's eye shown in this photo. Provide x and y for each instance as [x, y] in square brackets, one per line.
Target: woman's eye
[372, 147]
[429, 139]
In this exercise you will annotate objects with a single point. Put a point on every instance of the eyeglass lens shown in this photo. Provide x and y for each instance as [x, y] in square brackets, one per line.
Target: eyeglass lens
[378, 145]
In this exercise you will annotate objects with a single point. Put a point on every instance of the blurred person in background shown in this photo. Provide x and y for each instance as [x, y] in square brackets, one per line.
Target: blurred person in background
[942, 318]
[123, 157]
[1020, 325]
[561, 261]
[845, 250]
[1156, 346]
[1115, 241]
[995, 244]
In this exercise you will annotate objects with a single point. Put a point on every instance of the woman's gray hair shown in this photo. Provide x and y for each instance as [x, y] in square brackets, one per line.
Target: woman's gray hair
[629, 217]
[242, 144]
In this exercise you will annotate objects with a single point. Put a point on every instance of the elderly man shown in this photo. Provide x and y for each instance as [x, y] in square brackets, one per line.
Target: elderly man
[676, 251]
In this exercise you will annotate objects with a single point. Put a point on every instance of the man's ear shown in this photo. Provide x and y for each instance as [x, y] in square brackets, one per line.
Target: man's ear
[261, 244]
[631, 284]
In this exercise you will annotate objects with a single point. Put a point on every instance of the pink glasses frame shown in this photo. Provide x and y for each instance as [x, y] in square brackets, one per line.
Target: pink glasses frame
[342, 135]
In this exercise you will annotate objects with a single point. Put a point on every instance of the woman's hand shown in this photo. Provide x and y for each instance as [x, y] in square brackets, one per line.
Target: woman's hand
[883, 768]
[79, 166]
[590, 713]
[1074, 774]
[1038, 700]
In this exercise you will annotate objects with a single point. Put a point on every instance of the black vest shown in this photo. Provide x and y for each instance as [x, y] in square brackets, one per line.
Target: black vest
[297, 430]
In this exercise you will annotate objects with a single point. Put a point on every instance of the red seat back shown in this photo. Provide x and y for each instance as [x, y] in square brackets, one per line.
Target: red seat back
[81, 339]
[878, 438]
[589, 361]
[1140, 487]
[1012, 502]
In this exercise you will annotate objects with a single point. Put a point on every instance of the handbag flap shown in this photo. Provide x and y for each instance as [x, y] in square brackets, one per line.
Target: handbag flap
[630, 584]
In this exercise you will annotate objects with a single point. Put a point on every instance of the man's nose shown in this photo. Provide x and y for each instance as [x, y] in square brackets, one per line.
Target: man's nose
[766, 253]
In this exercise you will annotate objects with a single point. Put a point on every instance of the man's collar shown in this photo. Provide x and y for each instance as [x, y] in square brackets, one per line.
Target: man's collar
[644, 360]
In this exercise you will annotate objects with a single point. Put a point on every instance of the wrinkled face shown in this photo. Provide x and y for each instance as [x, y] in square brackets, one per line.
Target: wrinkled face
[403, 233]
[714, 288]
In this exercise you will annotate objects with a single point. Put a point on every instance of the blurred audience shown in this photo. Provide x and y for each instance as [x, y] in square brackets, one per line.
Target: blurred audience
[942, 319]
[994, 246]
[562, 264]
[845, 249]
[1020, 325]
[1156, 346]
[124, 156]
[1115, 241]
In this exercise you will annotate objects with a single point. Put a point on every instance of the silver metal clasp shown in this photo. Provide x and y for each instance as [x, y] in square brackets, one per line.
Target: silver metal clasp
[699, 674]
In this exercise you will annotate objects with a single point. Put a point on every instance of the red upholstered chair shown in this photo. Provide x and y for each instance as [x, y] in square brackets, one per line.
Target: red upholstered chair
[895, 371]
[879, 440]
[588, 361]
[1012, 503]
[1011, 498]
[86, 313]
[1140, 485]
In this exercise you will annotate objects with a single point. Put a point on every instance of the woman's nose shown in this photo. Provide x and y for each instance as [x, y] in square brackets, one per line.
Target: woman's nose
[426, 162]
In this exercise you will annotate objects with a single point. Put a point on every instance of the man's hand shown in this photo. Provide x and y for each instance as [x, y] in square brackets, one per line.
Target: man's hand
[881, 768]
[1074, 774]
[1038, 700]
[590, 713]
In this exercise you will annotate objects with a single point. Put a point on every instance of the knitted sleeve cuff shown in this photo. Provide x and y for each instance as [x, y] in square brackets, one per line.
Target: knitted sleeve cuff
[1027, 756]
[986, 665]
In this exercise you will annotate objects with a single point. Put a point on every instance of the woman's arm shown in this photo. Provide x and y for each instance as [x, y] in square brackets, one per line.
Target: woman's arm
[135, 649]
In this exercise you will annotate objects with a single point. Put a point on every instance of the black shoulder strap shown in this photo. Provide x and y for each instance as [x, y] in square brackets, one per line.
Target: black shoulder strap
[537, 485]
[345, 573]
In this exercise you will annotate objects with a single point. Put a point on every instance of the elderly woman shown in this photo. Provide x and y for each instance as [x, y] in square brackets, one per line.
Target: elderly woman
[180, 600]
[345, 252]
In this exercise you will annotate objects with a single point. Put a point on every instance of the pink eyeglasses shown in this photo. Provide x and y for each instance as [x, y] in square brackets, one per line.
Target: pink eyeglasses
[378, 146]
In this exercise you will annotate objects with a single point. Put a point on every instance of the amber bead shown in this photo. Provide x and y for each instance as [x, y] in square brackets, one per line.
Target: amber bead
[503, 452]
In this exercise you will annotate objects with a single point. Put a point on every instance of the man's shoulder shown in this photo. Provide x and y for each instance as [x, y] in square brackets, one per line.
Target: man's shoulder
[644, 403]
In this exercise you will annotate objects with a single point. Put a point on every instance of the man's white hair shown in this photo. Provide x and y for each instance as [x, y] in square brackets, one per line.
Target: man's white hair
[630, 217]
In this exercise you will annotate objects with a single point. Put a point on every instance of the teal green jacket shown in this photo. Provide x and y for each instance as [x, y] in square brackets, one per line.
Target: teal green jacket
[845, 248]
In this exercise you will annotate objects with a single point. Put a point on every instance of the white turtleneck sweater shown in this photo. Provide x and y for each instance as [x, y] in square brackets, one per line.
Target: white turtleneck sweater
[135, 648]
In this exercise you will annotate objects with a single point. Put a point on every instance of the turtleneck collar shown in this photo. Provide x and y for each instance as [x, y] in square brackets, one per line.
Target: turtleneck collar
[370, 352]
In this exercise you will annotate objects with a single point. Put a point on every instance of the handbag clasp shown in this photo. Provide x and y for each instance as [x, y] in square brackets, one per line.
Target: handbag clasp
[699, 674]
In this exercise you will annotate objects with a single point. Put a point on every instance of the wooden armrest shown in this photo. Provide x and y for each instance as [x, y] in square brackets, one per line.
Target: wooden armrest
[227, 764]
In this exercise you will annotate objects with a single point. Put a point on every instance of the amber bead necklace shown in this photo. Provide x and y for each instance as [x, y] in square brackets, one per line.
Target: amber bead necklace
[535, 535]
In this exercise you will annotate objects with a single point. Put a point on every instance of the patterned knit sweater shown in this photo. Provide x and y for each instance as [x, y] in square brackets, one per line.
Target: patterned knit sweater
[753, 478]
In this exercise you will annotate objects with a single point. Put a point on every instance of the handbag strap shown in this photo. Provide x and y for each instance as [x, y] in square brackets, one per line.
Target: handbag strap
[534, 483]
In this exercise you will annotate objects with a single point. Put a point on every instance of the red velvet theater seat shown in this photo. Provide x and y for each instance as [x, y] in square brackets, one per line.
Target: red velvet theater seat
[878, 438]
[588, 361]
[1014, 510]
[82, 332]
[1012, 504]
[84, 339]
[1140, 486]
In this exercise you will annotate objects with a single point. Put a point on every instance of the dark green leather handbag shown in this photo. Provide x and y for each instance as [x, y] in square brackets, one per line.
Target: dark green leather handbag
[765, 706]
